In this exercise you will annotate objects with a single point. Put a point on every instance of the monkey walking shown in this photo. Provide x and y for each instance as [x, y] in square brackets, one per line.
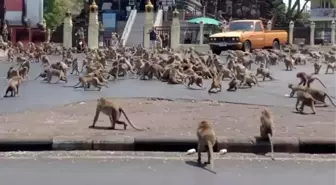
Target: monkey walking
[295, 88]
[113, 111]
[306, 100]
[198, 80]
[307, 79]
[233, 85]
[206, 139]
[331, 66]
[266, 128]
[317, 67]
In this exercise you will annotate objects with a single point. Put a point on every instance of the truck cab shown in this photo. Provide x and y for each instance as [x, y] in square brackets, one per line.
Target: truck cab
[247, 35]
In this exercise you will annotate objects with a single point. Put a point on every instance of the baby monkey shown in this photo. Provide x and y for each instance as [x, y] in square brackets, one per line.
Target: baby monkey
[206, 139]
[266, 128]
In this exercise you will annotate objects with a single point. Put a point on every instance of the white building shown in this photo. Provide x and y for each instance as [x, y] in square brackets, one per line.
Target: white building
[322, 12]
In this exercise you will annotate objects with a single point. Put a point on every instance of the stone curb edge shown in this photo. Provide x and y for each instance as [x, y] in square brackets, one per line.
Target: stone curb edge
[169, 144]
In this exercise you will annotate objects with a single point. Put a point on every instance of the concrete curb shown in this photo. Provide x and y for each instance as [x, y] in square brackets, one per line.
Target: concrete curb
[169, 144]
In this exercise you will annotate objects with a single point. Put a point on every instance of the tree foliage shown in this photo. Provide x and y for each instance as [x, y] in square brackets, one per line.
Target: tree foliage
[54, 11]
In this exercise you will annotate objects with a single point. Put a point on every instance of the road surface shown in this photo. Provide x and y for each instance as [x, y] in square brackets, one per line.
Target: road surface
[37, 94]
[86, 168]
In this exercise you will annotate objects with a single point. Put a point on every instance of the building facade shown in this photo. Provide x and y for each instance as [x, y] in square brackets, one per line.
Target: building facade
[322, 12]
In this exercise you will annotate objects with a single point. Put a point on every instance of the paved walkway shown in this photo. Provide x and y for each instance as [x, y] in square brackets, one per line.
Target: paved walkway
[167, 118]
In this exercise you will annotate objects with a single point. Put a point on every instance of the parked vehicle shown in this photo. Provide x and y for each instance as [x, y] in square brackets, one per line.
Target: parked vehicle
[246, 35]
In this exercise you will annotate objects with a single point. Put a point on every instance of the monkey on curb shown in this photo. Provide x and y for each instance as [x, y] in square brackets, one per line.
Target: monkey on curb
[206, 140]
[266, 128]
[113, 111]
[307, 79]
[306, 100]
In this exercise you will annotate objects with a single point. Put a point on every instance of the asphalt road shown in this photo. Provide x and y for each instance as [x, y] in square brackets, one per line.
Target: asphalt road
[37, 94]
[86, 168]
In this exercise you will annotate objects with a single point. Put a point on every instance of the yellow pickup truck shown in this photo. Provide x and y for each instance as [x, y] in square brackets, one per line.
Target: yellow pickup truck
[247, 35]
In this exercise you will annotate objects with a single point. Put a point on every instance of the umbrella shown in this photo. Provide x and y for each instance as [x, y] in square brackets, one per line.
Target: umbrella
[205, 20]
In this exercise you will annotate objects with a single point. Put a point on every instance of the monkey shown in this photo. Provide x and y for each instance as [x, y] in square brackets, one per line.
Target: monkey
[295, 88]
[75, 67]
[266, 128]
[306, 100]
[24, 72]
[42, 75]
[317, 67]
[248, 79]
[113, 111]
[58, 73]
[86, 81]
[206, 139]
[198, 80]
[216, 83]
[331, 66]
[12, 72]
[289, 64]
[233, 85]
[307, 79]
[13, 86]
[319, 95]
[265, 72]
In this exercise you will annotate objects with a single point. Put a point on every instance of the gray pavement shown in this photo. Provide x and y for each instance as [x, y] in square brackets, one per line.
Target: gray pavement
[37, 94]
[86, 168]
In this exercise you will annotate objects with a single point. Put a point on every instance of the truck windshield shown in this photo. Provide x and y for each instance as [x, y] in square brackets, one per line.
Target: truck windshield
[241, 26]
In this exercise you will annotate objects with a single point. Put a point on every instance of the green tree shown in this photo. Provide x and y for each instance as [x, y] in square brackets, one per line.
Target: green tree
[294, 9]
[54, 13]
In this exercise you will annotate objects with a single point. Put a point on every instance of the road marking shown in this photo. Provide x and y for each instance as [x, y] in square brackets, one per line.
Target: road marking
[177, 158]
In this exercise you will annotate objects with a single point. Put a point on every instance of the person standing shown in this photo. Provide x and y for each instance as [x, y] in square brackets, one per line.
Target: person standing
[152, 38]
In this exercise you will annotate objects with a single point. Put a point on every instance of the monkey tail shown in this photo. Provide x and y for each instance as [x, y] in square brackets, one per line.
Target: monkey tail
[210, 148]
[272, 147]
[320, 82]
[330, 100]
[121, 110]
[76, 84]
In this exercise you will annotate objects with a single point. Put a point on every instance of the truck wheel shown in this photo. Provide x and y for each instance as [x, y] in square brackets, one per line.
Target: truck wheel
[216, 51]
[276, 45]
[247, 46]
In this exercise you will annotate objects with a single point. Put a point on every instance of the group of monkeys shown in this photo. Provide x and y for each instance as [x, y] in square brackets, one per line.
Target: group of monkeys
[186, 67]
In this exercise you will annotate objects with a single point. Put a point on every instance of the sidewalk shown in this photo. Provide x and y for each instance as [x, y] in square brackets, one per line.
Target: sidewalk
[167, 119]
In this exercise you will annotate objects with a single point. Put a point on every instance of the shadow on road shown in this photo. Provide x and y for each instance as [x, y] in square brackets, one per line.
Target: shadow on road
[202, 165]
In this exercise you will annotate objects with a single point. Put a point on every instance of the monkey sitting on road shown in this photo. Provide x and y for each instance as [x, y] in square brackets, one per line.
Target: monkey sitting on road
[113, 111]
[307, 79]
[306, 100]
[233, 85]
[216, 83]
[266, 128]
[13, 86]
[206, 140]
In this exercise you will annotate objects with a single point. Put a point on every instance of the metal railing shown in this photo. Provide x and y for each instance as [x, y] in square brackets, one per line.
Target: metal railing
[128, 27]
[158, 18]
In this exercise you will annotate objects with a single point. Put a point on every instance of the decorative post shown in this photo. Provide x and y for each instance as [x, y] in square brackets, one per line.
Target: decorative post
[67, 31]
[333, 27]
[165, 12]
[101, 34]
[312, 33]
[291, 32]
[93, 33]
[269, 25]
[201, 32]
[148, 22]
[175, 31]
